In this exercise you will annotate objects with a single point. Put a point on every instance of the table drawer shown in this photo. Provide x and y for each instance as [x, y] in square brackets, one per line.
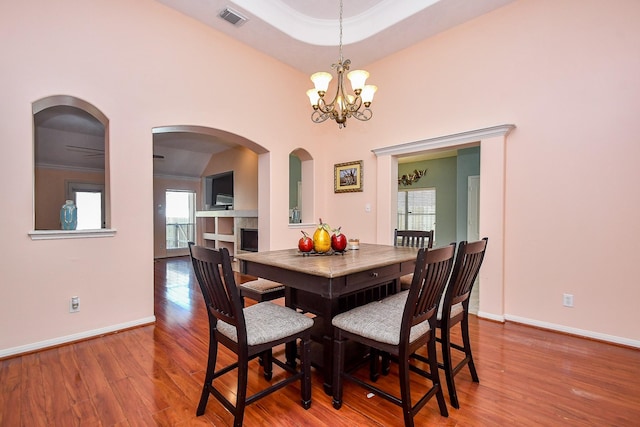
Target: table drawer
[372, 276]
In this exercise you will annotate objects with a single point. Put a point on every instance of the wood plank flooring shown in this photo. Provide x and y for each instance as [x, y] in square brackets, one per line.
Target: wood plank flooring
[152, 375]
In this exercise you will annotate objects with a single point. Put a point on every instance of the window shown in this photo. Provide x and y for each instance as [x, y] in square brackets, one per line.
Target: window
[89, 210]
[89, 199]
[180, 218]
[417, 209]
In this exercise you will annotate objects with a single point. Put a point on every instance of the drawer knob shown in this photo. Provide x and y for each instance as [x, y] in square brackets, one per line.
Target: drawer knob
[374, 274]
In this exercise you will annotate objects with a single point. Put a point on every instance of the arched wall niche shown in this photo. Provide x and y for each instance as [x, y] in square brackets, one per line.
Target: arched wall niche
[71, 147]
[302, 190]
[492, 142]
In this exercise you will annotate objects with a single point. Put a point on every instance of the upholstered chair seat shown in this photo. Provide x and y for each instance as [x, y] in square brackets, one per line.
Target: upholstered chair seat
[267, 322]
[261, 290]
[379, 322]
[399, 300]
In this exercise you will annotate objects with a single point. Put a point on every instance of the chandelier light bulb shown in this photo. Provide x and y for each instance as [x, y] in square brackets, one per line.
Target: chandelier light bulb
[313, 97]
[367, 94]
[357, 78]
[321, 81]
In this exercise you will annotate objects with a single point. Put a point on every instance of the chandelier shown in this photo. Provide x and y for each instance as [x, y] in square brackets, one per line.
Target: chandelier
[343, 105]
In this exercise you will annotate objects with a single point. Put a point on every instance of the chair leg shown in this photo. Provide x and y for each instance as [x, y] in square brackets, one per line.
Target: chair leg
[445, 340]
[380, 363]
[338, 351]
[208, 378]
[386, 363]
[374, 364]
[405, 389]
[305, 387]
[435, 376]
[464, 325]
[290, 352]
[241, 393]
[267, 364]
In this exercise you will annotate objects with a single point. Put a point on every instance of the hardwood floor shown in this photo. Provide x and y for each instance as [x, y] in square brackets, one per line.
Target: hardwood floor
[153, 375]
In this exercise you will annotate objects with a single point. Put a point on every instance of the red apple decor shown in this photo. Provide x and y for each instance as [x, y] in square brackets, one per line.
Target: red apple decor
[305, 244]
[338, 240]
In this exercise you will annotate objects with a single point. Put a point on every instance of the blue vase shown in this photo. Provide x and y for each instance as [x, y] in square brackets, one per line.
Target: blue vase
[69, 215]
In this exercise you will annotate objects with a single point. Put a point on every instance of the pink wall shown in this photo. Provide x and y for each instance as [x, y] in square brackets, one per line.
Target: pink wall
[144, 66]
[564, 72]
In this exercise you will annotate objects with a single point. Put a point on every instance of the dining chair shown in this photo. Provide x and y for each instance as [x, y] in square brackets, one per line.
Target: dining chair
[261, 290]
[409, 238]
[454, 309]
[398, 330]
[248, 332]
[414, 239]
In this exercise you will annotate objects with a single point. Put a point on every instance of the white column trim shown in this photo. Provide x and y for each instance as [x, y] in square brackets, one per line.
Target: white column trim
[492, 142]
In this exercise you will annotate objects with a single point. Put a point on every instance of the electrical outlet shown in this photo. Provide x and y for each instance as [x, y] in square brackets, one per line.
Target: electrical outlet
[567, 300]
[74, 305]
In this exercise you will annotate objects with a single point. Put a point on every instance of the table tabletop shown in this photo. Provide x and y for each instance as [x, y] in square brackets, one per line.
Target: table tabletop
[333, 265]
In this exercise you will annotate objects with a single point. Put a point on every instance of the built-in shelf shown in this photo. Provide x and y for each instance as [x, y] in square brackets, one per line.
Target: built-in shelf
[221, 228]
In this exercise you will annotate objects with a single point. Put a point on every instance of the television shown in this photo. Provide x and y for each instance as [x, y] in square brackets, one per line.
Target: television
[218, 191]
[249, 239]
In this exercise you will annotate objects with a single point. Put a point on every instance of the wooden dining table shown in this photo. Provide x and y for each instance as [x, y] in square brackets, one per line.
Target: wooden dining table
[329, 284]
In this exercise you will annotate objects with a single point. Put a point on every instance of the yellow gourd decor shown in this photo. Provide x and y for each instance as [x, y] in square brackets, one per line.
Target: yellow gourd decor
[322, 238]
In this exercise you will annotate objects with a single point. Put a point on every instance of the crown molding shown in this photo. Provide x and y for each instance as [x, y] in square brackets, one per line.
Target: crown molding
[445, 141]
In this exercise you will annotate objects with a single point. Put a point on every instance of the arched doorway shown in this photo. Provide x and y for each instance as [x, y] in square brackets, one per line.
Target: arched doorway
[182, 154]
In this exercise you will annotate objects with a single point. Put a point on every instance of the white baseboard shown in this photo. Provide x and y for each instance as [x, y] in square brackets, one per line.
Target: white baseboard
[490, 316]
[75, 337]
[573, 331]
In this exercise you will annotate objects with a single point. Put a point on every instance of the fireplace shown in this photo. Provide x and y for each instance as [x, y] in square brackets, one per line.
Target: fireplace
[249, 239]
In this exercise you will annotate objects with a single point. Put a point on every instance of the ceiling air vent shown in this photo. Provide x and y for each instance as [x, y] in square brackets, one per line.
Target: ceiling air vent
[232, 16]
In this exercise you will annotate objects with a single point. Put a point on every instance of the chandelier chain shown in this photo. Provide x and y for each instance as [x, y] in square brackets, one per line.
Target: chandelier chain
[341, 59]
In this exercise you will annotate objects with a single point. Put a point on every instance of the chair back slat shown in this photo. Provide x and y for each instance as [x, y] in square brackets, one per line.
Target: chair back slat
[214, 274]
[465, 271]
[413, 238]
[433, 267]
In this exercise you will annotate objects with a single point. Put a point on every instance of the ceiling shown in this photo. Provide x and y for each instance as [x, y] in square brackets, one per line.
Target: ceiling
[305, 33]
[301, 33]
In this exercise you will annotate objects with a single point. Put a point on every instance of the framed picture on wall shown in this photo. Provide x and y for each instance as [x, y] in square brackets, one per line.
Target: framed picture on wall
[347, 177]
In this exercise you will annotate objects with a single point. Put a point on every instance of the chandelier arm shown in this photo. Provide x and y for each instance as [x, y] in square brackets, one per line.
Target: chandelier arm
[363, 115]
[354, 106]
[319, 117]
[324, 107]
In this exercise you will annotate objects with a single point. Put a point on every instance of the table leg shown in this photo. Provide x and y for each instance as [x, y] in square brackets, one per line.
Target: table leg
[329, 309]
